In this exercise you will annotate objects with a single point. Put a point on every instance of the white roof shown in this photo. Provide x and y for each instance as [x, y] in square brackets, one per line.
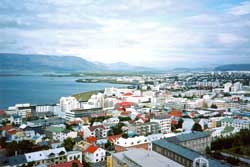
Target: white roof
[131, 141]
[145, 158]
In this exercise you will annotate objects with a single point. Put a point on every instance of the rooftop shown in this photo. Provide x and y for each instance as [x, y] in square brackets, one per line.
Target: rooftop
[144, 158]
[188, 136]
[187, 153]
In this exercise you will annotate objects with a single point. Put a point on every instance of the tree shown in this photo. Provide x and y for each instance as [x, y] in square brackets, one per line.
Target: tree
[214, 106]
[208, 151]
[197, 127]
[74, 164]
[68, 144]
[180, 122]
[125, 135]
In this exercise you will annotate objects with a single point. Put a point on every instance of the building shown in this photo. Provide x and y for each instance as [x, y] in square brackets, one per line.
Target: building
[44, 158]
[195, 140]
[16, 119]
[24, 110]
[98, 131]
[58, 133]
[183, 155]
[239, 123]
[46, 110]
[145, 129]
[74, 155]
[80, 113]
[141, 157]
[165, 124]
[69, 103]
[46, 122]
[123, 144]
[94, 154]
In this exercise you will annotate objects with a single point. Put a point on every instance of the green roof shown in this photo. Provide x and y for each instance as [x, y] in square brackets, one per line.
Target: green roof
[228, 129]
[55, 129]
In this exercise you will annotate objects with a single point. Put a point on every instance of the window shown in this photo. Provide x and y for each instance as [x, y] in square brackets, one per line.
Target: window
[97, 155]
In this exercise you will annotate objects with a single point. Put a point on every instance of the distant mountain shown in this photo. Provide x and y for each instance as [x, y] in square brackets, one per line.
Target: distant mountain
[121, 66]
[21, 63]
[233, 67]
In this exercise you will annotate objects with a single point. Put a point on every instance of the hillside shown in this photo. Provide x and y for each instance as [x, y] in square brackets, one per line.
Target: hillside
[21, 63]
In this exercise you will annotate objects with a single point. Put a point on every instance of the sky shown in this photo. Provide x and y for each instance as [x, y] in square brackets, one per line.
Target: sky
[154, 33]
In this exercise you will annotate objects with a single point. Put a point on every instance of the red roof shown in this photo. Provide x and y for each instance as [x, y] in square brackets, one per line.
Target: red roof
[92, 128]
[91, 139]
[11, 131]
[91, 149]
[175, 113]
[6, 127]
[128, 94]
[68, 164]
[125, 104]
[114, 138]
[2, 113]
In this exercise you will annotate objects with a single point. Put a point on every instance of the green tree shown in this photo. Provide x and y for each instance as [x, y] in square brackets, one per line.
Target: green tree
[197, 127]
[68, 144]
[180, 122]
[214, 106]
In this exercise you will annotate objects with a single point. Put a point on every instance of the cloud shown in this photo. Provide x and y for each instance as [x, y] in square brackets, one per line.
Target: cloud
[241, 9]
[153, 33]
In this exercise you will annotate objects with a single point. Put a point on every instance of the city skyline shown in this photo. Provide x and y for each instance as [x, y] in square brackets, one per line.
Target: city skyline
[149, 33]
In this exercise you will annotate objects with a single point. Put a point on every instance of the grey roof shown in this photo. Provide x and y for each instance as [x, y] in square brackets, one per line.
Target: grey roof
[187, 153]
[17, 160]
[144, 158]
[188, 136]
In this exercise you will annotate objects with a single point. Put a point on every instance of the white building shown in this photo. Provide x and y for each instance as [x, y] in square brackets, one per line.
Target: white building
[74, 155]
[94, 154]
[239, 123]
[69, 103]
[227, 87]
[98, 131]
[165, 124]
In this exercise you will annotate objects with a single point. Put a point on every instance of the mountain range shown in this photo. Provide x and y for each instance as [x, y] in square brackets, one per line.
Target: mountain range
[24, 63]
[28, 63]
[233, 67]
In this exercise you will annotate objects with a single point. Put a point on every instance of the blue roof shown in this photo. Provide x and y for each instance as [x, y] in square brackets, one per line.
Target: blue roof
[187, 153]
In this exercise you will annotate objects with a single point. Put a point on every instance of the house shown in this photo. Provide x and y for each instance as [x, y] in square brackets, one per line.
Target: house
[134, 142]
[49, 157]
[239, 123]
[58, 133]
[91, 139]
[74, 155]
[145, 128]
[16, 119]
[165, 124]
[98, 131]
[94, 154]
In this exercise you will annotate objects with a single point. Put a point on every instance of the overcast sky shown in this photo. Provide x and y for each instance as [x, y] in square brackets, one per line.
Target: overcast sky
[169, 33]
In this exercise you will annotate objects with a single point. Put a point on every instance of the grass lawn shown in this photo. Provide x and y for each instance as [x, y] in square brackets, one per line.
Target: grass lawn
[85, 95]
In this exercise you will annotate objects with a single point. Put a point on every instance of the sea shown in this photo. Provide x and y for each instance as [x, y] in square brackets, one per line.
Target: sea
[42, 89]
